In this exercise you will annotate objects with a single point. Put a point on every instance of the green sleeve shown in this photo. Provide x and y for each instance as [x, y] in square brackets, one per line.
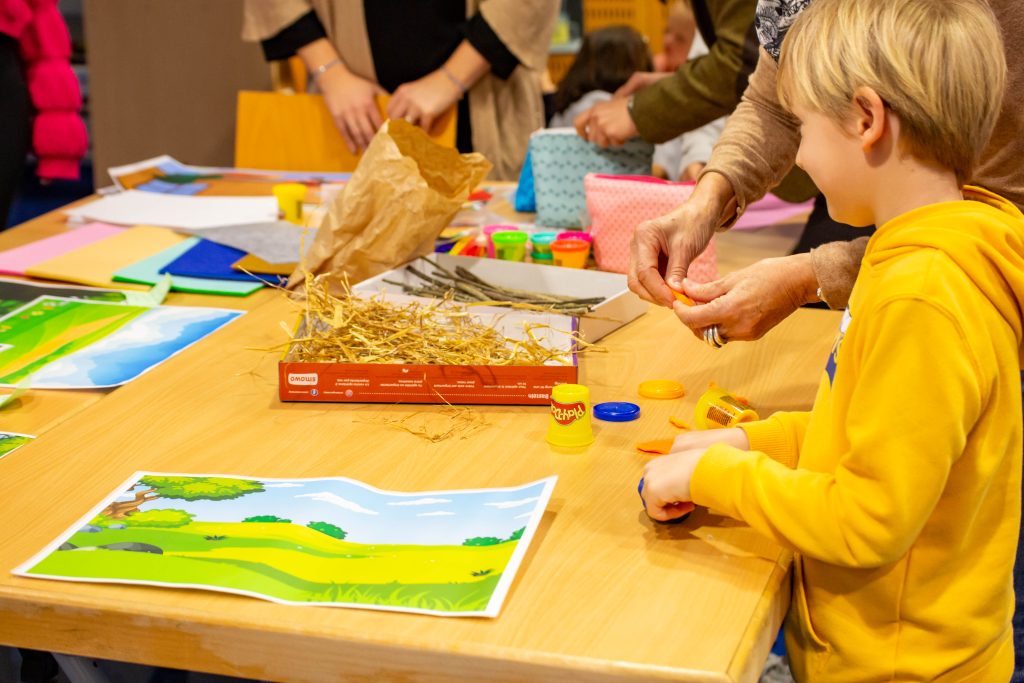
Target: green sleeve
[705, 88]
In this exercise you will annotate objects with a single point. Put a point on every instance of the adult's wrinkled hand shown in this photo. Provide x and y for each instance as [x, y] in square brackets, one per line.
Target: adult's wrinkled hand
[662, 249]
[352, 102]
[606, 124]
[747, 303]
[639, 81]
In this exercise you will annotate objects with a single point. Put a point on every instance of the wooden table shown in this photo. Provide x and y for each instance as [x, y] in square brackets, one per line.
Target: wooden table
[604, 594]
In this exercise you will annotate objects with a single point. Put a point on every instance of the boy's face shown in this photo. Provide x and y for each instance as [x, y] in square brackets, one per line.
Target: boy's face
[835, 160]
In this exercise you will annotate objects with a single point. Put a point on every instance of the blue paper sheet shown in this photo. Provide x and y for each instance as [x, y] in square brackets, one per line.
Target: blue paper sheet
[147, 272]
[208, 259]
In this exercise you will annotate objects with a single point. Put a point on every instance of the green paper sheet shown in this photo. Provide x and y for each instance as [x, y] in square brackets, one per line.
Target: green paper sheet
[147, 272]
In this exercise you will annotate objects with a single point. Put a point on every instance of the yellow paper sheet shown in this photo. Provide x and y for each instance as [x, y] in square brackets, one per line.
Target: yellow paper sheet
[254, 264]
[95, 264]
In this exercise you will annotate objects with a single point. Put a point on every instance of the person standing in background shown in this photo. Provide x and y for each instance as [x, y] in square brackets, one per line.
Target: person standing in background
[486, 56]
[39, 97]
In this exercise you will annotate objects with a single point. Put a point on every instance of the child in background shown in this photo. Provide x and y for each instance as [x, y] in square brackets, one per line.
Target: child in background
[606, 60]
[900, 491]
[678, 38]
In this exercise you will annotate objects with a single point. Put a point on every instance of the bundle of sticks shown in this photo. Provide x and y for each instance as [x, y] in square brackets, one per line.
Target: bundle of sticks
[466, 287]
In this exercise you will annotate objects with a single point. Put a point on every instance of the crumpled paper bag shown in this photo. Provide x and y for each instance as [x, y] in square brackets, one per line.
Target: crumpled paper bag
[404, 192]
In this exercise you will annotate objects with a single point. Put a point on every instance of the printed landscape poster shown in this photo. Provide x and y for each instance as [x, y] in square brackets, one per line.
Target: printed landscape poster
[63, 343]
[16, 293]
[10, 441]
[331, 541]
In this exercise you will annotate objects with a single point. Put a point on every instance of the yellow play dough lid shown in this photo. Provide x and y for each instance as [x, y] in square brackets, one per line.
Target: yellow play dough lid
[661, 388]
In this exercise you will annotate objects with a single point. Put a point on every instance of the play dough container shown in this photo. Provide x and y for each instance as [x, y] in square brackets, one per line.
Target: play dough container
[717, 408]
[569, 424]
[489, 230]
[576, 235]
[570, 253]
[289, 200]
[541, 242]
[510, 245]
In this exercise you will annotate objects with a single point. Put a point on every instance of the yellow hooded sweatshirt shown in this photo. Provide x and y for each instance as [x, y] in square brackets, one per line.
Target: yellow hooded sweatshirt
[904, 505]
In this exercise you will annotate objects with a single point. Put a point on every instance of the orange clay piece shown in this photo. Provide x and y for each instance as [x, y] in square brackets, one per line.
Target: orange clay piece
[677, 422]
[682, 297]
[659, 446]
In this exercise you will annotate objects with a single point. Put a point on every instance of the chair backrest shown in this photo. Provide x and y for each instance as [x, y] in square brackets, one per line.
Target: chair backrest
[295, 132]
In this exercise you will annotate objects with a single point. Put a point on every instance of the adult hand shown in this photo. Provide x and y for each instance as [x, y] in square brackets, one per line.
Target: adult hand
[747, 303]
[424, 101]
[639, 81]
[607, 124]
[351, 100]
[667, 484]
[703, 439]
[662, 248]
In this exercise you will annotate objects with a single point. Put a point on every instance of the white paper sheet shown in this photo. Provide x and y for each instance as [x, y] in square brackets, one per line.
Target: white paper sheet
[134, 207]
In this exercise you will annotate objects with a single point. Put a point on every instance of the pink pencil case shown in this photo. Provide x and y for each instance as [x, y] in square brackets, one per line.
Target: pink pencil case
[617, 204]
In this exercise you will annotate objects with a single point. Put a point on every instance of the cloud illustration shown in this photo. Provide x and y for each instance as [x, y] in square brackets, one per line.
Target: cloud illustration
[327, 497]
[422, 501]
[524, 515]
[435, 513]
[506, 504]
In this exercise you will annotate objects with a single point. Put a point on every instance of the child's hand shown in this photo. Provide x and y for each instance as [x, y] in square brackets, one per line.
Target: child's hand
[705, 438]
[667, 484]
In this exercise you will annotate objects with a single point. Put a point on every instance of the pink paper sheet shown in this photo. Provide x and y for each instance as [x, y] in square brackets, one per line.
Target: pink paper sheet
[16, 261]
[769, 211]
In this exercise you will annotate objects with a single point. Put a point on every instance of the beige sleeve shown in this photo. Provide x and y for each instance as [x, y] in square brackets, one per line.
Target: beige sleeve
[264, 19]
[524, 26]
[760, 141]
[836, 265]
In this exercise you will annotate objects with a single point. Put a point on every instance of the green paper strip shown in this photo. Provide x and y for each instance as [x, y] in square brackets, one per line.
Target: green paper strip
[147, 272]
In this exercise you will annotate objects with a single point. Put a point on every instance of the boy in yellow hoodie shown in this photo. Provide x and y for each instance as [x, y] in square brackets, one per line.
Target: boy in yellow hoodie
[900, 491]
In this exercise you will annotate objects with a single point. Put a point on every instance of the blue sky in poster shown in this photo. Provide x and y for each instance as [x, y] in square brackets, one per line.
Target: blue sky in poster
[144, 342]
[370, 516]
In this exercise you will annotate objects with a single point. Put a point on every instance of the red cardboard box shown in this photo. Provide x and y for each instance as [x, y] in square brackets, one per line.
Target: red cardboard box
[455, 384]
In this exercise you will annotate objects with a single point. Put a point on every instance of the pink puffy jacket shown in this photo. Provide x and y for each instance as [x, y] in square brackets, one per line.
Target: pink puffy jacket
[59, 139]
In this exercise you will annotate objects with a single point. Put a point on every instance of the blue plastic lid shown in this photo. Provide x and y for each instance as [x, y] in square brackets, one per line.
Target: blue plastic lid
[616, 411]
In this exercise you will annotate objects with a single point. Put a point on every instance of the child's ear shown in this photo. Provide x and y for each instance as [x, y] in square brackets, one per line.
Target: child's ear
[869, 116]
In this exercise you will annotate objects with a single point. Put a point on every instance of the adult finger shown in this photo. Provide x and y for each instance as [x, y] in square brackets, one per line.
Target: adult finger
[705, 291]
[373, 112]
[598, 135]
[582, 123]
[346, 134]
[702, 316]
[364, 129]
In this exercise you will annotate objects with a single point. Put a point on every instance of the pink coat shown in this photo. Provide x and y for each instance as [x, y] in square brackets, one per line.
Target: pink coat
[59, 138]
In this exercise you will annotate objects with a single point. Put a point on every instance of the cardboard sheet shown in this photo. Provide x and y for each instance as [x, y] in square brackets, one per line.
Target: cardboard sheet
[16, 261]
[96, 263]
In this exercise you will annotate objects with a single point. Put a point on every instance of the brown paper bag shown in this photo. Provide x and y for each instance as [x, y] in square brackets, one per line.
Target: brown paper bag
[404, 192]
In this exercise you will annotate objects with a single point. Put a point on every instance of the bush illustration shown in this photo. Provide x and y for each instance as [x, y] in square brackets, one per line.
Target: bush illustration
[483, 540]
[329, 529]
[267, 518]
[166, 519]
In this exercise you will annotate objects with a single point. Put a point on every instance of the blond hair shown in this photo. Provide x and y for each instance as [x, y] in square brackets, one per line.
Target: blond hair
[937, 64]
